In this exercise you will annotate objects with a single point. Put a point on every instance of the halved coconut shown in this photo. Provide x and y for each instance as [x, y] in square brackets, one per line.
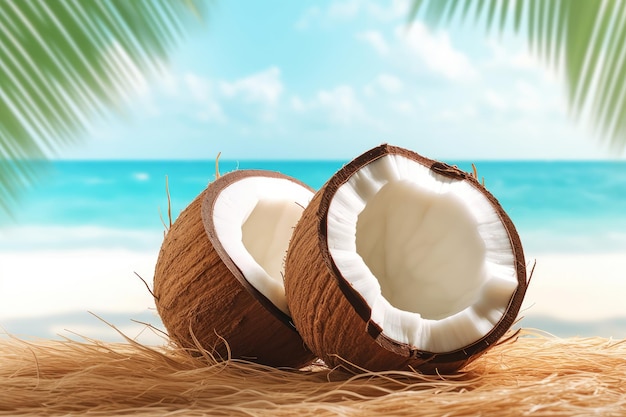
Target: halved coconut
[400, 261]
[219, 276]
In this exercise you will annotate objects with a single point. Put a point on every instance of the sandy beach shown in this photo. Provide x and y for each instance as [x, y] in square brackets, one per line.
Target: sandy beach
[578, 287]
[49, 286]
[52, 282]
[50, 293]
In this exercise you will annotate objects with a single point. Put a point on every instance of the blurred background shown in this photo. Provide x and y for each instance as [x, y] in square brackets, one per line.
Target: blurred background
[104, 103]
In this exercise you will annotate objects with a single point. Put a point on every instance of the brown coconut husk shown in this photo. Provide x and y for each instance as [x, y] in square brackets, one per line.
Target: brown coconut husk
[333, 318]
[204, 299]
[535, 374]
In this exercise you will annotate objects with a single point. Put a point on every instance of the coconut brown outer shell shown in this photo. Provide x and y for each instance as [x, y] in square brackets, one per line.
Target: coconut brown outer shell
[199, 297]
[334, 320]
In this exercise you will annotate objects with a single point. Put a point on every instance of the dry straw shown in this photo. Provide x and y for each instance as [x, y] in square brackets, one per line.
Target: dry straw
[534, 374]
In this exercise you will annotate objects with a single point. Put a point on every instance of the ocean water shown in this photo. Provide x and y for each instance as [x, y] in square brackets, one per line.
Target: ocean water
[559, 206]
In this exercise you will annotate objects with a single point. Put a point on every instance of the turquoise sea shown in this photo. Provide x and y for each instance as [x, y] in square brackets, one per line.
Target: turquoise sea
[557, 206]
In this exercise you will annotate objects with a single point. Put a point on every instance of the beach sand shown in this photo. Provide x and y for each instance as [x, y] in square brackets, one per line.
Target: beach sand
[45, 294]
[42, 285]
[52, 282]
[577, 287]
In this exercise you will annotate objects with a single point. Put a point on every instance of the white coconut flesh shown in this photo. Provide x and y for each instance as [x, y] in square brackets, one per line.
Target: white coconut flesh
[254, 219]
[428, 254]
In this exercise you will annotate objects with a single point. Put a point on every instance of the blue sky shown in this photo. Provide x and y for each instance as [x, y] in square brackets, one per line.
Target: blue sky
[329, 79]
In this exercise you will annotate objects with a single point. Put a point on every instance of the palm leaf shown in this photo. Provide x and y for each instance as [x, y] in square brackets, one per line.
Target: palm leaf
[62, 62]
[586, 39]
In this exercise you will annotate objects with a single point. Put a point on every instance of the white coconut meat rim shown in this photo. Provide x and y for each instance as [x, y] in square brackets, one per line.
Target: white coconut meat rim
[254, 218]
[428, 254]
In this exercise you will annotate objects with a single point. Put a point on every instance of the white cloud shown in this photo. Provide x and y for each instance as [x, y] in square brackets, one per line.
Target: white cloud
[342, 10]
[219, 101]
[202, 91]
[496, 100]
[520, 85]
[519, 58]
[528, 97]
[297, 104]
[198, 87]
[309, 15]
[339, 106]
[342, 104]
[457, 115]
[397, 9]
[264, 87]
[390, 83]
[376, 40]
[437, 53]
[523, 60]
[345, 9]
[514, 58]
[167, 82]
[384, 83]
[403, 106]
[523, 98]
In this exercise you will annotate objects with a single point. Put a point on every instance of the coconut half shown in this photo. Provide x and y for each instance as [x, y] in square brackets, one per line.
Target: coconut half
[403, 262]
[218, 281]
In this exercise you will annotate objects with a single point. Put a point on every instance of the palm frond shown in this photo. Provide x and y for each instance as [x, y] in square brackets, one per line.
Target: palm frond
[585, 39]
[62, 62]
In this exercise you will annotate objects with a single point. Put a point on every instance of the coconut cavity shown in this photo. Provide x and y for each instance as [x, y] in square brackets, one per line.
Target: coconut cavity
[255, 229]
[428, 253]
[267, 231]
[418, 244]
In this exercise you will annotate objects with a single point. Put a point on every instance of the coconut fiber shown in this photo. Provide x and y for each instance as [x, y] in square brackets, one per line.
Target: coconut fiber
[532, 374]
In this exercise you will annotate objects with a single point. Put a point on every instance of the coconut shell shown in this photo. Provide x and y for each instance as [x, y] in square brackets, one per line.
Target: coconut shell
[334, 320]
[205, 301]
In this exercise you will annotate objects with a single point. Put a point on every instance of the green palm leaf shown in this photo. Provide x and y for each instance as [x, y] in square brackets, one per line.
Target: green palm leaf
[584, 38]
[62, 62]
